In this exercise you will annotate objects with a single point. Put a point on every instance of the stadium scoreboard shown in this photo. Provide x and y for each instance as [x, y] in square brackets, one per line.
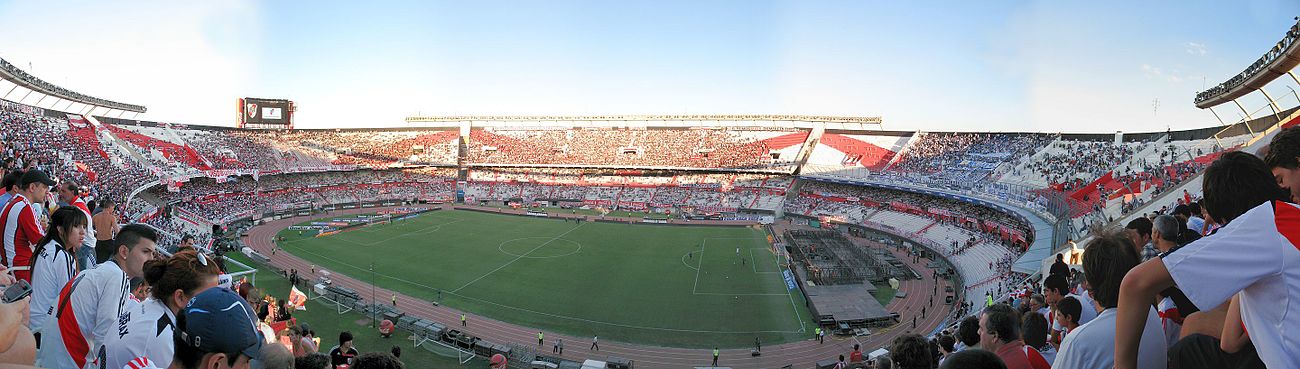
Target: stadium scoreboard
[261, 113]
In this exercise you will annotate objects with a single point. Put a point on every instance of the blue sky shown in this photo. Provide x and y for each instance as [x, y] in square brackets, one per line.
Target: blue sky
[923, 65]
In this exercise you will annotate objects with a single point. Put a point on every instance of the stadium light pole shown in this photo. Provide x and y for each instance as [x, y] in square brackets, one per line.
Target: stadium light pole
[374, 312]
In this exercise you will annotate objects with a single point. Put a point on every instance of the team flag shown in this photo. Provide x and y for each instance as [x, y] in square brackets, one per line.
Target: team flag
[297, 299]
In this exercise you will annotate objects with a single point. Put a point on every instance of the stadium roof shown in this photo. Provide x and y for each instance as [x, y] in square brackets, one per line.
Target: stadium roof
[1279, 60]
[22, 78]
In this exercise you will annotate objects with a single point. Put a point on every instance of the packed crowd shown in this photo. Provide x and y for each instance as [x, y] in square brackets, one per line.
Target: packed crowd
[233, 150]
[969, 155]
[160, 152]
[1222, 257]
[1215, 269]
[68, 247]
[729, 191]
[369, 148]
[1072, 164]
[626, 147]
[883, 197]
[217, 200]
[36, 138]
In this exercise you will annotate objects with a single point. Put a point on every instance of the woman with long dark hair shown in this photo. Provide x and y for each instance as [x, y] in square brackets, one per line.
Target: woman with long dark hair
[54, 263]
[148, 332]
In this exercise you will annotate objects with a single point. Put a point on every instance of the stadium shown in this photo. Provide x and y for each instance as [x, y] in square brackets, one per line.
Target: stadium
[667, 241]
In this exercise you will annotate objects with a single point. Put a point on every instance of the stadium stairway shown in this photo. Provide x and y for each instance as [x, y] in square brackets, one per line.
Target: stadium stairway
[189, 150]
[903, 150]
[171, 150]
[135, 154]
[927, 227]
[1021, 173]
[85, 135]
[873, 213]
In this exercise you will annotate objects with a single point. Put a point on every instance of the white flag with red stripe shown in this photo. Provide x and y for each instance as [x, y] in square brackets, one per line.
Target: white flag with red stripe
[297, 299]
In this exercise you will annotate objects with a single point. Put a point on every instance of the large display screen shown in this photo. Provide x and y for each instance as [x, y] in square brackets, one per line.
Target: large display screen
[265, 113]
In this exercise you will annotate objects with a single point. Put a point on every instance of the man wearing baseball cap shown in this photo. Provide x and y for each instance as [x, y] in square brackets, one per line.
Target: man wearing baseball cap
[216, 331]
[19, 226]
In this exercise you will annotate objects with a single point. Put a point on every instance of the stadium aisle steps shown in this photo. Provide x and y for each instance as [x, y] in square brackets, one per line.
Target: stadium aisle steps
[171, 150]
[927, 227]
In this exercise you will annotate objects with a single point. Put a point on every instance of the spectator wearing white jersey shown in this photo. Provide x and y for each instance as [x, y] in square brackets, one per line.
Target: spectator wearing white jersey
[1106, 259]
[1250, 256]
[54, 264]
[149, 327]
[94, 302]
[1056, 288]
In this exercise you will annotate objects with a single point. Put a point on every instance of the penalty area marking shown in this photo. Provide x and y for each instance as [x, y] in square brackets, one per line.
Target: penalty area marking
[754, 264]
[798, 317]
[700, 265]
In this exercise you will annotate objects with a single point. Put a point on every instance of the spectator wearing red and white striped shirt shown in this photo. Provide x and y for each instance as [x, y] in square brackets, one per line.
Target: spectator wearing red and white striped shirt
[18, 223]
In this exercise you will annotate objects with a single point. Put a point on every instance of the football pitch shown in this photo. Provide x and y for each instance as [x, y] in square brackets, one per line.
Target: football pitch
[680, 286]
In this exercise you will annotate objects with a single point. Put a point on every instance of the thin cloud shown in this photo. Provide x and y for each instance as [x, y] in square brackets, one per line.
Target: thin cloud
[1157, 73]
[1151, 72]
[1195, 48]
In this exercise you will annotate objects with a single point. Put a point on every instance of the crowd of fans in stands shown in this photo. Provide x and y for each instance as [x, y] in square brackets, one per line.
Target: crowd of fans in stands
[1217, 267]
[971, 155]
[883, 197]
[1079, 162]
[372, 148]
[33, 139]
[58, 181]
[273, 150]
[703, 148]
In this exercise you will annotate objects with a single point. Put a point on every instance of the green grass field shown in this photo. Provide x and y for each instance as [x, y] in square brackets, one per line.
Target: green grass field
[328, 323]
[649, 284]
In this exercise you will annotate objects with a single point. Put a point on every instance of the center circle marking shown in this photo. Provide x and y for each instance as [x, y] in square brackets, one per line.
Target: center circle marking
[519, 247]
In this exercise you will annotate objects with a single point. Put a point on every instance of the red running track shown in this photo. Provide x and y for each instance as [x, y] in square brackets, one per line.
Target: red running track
[802, 354]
